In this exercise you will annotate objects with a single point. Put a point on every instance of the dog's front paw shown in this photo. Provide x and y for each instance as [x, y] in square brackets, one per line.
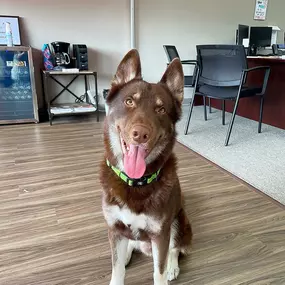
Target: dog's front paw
[161, 283]
[117, 279]
[160, 279]
[116, 282]
[172, 265]
[172, 272]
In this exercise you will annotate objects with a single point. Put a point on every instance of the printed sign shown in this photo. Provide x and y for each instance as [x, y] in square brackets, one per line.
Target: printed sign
[260, 10]
[15, 63]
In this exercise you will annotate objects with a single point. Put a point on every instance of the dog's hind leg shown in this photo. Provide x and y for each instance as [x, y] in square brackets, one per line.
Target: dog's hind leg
[145, 248]
[141, 246]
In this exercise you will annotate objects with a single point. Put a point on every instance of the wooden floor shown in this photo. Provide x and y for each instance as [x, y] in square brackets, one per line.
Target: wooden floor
[52, 230]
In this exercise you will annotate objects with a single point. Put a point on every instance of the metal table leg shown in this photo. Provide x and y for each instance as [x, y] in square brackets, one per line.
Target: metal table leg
[86, 94]
[96, 96]
[47, 97]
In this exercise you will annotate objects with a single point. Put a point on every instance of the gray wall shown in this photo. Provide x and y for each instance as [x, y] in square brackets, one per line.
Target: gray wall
[185, 23]
[104, 26]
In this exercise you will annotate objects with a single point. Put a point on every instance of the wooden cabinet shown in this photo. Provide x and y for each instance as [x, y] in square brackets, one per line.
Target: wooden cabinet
[18, 98]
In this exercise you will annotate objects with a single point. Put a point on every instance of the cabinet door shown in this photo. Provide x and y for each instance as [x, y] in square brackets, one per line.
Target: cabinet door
[16, 92]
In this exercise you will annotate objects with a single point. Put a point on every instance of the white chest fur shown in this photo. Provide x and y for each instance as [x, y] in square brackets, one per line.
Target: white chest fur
[136, 222]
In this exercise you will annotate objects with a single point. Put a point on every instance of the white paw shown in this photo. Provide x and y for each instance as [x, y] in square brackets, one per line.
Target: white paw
[118, 276]
[159, 279]
[172, 272]
[161, 283]
[172, 264]
[116, 282]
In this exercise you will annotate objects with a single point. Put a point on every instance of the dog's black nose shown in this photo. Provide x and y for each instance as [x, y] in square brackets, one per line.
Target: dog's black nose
[140, 134]
[129, 225]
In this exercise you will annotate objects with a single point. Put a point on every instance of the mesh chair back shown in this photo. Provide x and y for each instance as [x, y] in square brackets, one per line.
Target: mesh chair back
[221, 65]
[171, 52]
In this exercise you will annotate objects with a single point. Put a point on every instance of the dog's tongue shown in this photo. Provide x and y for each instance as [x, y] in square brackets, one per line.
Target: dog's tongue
[134, 163]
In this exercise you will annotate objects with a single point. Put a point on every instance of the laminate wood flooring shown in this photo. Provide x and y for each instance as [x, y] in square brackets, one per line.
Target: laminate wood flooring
[52, 230]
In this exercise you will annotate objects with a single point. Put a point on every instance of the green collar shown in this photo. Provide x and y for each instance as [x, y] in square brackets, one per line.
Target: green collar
[145, 180]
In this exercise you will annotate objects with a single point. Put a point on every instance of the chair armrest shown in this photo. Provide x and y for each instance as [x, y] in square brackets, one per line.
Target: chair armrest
[190, 62]
[256, 68]
[265, 78]
[196, 76]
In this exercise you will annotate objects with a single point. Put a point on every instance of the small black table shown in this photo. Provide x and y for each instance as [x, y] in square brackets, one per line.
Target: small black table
[74, 108]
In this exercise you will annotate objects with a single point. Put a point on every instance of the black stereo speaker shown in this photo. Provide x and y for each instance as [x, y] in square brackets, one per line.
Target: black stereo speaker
[81, 56]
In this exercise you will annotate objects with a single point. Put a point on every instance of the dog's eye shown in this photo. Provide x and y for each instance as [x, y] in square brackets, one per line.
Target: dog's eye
[129, 102]
[161, 110]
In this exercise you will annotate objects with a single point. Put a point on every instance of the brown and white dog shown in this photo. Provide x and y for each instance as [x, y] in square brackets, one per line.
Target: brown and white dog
[142, 200]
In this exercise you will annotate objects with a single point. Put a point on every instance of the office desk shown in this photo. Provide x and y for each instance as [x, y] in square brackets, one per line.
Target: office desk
[274, 104]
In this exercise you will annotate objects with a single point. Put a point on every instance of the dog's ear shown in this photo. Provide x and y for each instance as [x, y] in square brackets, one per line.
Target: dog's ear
[128, 69]
[174, 79]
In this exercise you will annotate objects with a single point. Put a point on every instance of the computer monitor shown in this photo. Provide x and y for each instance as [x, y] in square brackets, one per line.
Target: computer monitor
[242, 33]
[260, 36]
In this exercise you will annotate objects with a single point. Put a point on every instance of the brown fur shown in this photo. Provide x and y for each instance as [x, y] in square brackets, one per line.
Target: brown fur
[161, 199]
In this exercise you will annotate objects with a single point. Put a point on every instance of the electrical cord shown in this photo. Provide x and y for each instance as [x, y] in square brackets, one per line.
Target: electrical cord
[82, 97]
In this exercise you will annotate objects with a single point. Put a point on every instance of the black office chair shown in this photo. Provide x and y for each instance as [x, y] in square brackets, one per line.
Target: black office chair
[172, 53]
[189, 80]
[222, 75]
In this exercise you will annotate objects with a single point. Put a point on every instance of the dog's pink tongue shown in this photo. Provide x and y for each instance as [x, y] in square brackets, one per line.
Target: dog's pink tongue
[134, 163]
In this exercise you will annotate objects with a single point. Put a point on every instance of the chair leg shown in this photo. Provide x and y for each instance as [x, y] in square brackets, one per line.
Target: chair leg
[223, 111]
[231, 122]
[260, 113]
[210, 106]
[205, 108]
[189, 114]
